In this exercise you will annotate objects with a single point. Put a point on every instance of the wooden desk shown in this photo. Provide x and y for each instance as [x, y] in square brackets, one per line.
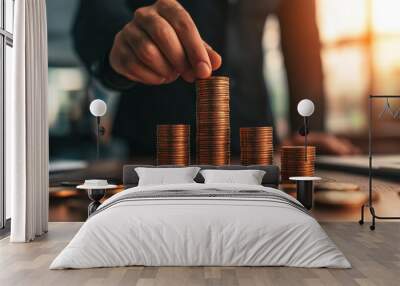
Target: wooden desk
[388, 203]
[67, 204]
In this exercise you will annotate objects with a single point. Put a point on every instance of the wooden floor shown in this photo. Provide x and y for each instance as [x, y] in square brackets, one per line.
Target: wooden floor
[375, 257]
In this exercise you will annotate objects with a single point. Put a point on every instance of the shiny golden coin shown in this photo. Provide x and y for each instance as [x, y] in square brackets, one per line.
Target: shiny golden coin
[222, 87]
[296, 171]
[298, 162]
[209, 138]
[286, 167]
[254, 148]
[176, 144]
[172, 148]
[245, 158]
[173, 138]
[171, 131]
[223, 119]
[206, 130]
[256, 138]
[215, 147]
[298, 152]
[213, 121]
[212, 143]
[299, 159]
[296, 147]
[213, 150]
[207, 89]
[173, 144]
[212, 113]
[255, 134]
[160, 128]
[214, 157]
[252, 131]
[297, 155]
[213, 79]
[213, 96]
[215, 99]
[212, 109]
[208, 107]
[311, 152]
[256, 152]
[255, 157]
[223, 131]
[212, 82]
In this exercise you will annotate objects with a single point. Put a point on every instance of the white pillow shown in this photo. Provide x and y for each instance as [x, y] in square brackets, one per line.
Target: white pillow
[248, 177]
[165, 176]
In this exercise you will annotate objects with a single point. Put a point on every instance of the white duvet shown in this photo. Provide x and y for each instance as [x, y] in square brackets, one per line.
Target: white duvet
[200, 231]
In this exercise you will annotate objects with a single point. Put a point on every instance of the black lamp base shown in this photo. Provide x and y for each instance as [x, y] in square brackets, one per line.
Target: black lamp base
[305, 193]
[95, 195]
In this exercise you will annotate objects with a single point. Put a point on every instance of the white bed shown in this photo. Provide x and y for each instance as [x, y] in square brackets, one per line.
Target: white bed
[185, 230]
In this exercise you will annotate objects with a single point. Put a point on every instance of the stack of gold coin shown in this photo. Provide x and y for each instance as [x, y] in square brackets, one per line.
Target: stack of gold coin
[173, 144]
[256, 145]
[296, 162]
[213, 124]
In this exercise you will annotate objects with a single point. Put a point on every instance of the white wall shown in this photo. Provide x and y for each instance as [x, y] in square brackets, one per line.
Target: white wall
[9, 60]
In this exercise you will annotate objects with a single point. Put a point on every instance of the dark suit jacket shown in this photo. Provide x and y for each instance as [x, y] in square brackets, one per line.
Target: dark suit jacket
[235, 30]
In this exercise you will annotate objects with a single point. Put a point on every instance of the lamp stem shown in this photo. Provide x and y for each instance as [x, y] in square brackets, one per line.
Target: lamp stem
[305, 137]
[98, 138]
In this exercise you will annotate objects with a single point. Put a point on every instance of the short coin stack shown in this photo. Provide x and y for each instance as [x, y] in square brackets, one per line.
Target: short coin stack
[173, 145]
[294, 162]
[256, 145]
[213, 124]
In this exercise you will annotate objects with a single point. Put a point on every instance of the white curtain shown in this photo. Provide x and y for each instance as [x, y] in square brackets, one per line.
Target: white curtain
[26, 124]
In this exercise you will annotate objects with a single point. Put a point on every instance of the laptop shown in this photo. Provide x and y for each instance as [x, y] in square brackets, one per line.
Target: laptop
[382, 165]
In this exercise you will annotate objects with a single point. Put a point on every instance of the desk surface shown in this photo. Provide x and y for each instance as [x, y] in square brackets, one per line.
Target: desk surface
[69, 204]
[387, 203]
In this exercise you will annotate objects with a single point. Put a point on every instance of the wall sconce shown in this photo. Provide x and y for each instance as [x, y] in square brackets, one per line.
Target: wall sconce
[305, 108]
[98, 108]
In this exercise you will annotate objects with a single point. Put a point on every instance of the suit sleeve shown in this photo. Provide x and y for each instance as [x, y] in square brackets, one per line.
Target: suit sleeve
[302, 53]
[96, 24]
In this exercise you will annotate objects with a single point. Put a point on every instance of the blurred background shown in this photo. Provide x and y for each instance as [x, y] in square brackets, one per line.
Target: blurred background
[360, 42]
[360, 54]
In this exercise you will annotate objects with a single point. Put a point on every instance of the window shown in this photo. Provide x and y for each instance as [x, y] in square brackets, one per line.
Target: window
[6, 43]
[361, 56]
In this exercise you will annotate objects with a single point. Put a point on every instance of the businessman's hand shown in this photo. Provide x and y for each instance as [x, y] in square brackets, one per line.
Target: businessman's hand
[161, 43]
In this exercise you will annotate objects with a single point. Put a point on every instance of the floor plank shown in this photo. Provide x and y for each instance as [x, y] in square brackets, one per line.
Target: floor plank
[375, 257]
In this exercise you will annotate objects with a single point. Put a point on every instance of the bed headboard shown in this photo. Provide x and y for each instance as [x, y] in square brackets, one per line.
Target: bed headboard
[270, 179]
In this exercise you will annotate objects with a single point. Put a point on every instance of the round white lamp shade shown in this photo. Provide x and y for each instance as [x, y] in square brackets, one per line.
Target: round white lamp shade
[305, 107]
[98, 107]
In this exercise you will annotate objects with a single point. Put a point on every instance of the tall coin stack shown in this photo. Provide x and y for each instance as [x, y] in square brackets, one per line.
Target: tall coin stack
[173, 145]
[295, 162]
[213, 127]
[256, 145]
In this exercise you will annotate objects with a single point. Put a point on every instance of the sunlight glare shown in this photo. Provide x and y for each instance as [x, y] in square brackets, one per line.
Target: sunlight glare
[341, 19]
[385, 16]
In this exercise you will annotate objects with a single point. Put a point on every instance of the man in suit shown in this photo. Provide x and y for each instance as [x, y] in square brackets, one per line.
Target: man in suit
[153, 52]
